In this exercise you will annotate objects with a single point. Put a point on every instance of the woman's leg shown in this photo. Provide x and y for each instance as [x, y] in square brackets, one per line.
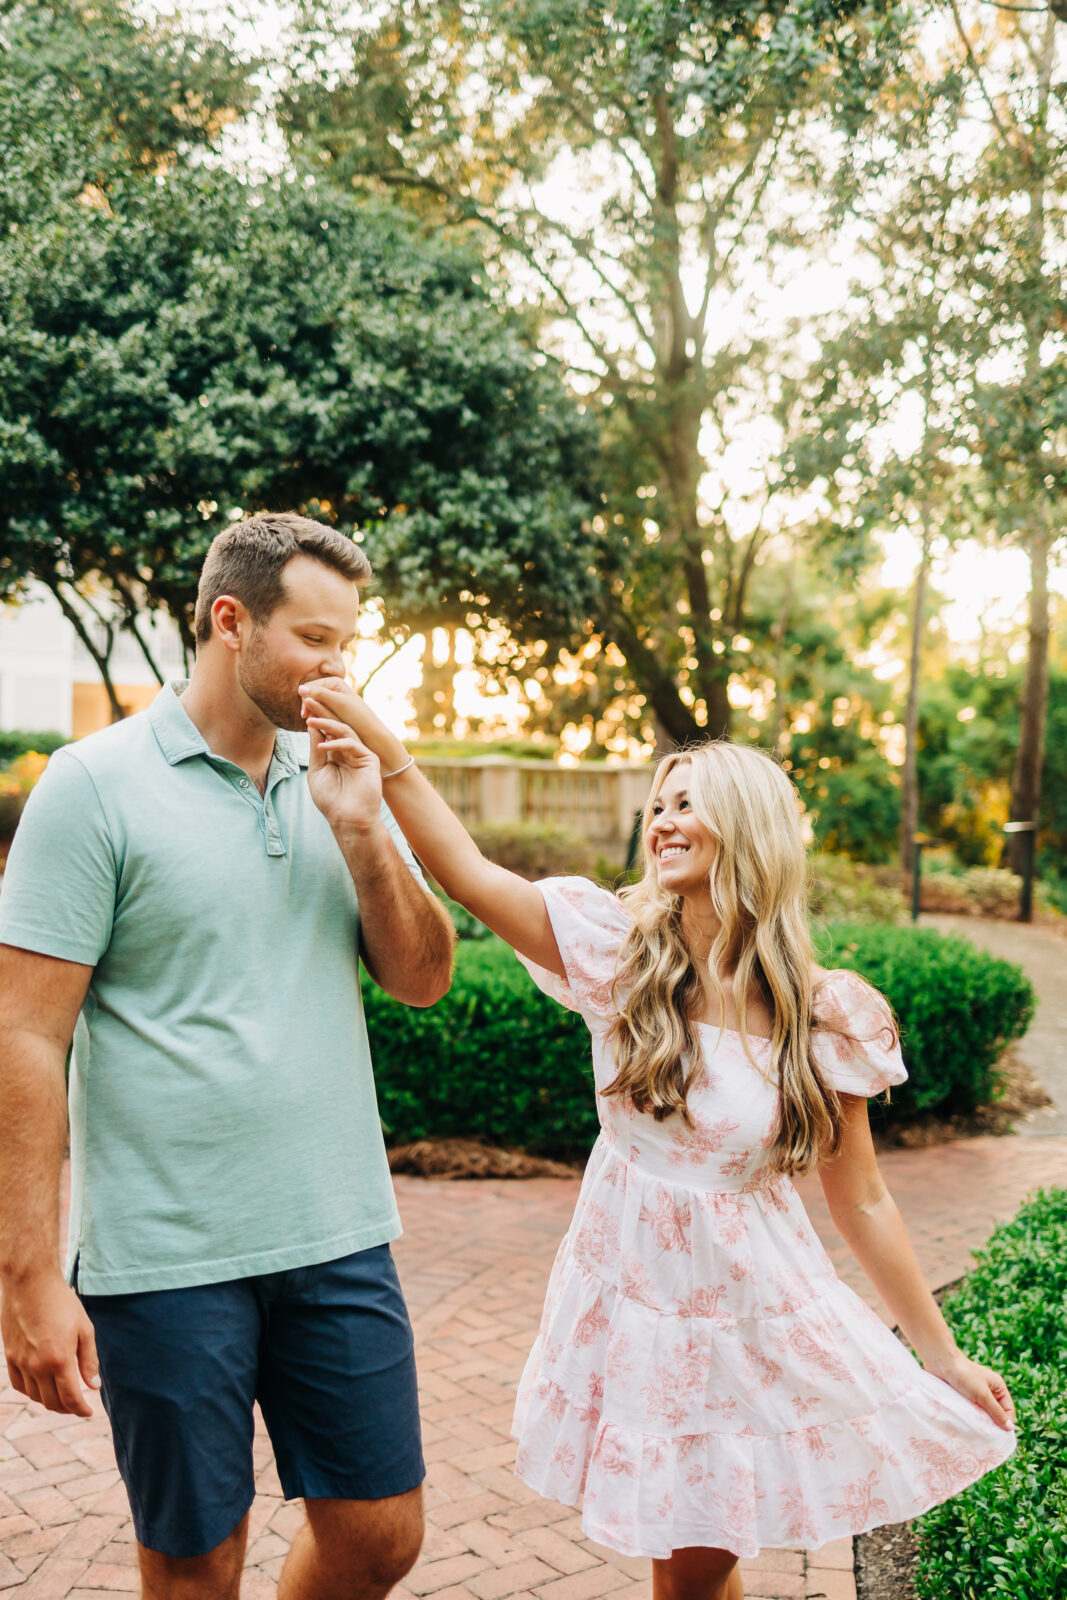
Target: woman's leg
[697, 1574]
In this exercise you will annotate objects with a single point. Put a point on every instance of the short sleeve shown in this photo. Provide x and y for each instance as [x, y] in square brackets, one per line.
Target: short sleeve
[590, 926]
[859, 1052]
[61, 877]
[406, 856]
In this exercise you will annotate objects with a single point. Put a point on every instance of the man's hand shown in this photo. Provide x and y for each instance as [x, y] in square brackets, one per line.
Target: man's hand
[49, 1343]
[343, 775]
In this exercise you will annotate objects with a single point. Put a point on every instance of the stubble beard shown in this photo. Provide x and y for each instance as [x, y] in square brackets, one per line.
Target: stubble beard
[268, 690]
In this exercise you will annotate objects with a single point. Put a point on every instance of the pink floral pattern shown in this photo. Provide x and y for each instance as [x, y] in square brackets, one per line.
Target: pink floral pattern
[701, 1375]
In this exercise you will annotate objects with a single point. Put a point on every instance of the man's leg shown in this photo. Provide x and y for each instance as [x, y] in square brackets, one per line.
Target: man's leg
[179, 1369]
[353, 1549]
[340, 1399]
[215, 1576]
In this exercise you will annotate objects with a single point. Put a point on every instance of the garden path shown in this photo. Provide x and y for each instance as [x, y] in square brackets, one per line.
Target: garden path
[1042, 954]
[474, 1260]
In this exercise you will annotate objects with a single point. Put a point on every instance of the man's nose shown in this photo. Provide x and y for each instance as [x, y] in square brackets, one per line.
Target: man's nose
[333, 666]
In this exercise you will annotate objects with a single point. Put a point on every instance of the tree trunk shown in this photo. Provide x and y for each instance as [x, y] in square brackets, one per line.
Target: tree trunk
[129, 600]
[1026, 781]
[909, 796]
[102, 658]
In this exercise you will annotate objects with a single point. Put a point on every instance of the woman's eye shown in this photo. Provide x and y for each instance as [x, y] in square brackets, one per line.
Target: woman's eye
[310, 639]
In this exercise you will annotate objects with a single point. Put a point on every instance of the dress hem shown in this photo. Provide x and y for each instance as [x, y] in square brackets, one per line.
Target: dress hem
[699, 1538]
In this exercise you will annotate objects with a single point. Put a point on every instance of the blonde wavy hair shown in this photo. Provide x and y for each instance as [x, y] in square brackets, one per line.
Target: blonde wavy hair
[759, 884]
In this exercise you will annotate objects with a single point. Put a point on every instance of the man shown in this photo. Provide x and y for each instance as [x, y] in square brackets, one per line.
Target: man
[188, 896]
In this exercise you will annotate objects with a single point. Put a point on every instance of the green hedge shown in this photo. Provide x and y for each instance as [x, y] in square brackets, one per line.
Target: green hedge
[957, 1007]
[498, 1060]
[1007, 1534]
[14, 743]
[494, 1059]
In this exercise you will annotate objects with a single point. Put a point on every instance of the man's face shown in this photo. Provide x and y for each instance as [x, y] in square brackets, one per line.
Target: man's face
[304, 638]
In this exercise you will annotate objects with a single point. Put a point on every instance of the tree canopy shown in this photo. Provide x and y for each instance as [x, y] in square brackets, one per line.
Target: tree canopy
[179, 345]
[679, 122]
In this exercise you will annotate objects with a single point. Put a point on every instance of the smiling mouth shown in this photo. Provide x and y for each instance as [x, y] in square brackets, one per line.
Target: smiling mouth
[670, 851]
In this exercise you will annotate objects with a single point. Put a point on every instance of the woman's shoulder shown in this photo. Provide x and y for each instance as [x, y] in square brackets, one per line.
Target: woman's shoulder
[846, 999]
[588, 901]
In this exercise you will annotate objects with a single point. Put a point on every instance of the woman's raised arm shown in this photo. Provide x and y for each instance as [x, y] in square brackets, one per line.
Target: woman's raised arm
[506, 903]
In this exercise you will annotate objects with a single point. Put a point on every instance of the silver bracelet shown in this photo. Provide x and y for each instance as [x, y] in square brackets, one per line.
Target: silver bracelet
[410, 762]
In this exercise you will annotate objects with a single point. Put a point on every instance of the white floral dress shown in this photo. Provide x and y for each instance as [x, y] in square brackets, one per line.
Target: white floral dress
[701, 1375]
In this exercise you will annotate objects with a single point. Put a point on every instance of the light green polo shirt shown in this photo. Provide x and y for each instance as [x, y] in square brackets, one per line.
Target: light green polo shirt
[222, 1107]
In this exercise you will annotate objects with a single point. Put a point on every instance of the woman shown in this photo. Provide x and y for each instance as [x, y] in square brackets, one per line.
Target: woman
[702, 1380]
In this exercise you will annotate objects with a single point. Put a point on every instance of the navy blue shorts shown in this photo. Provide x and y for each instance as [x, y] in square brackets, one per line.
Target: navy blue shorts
[327, 1351]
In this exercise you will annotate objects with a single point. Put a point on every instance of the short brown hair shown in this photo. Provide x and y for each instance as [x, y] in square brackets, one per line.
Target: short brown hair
[247, 561]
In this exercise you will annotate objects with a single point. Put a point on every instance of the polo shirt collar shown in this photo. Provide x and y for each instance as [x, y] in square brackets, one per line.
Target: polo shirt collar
[179, 738]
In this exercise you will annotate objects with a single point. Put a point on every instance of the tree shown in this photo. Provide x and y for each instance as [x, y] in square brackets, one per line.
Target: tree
[678, 121]
[89, 97]
[983, 133]
[201, 347]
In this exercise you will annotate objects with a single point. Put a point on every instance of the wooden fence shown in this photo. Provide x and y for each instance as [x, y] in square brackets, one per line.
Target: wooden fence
[592, 799]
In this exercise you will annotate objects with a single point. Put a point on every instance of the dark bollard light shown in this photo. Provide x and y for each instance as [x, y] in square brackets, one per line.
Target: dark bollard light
[919, 841]
[1026, 897]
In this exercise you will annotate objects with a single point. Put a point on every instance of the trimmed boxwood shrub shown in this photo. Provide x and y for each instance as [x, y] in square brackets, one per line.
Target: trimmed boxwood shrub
[496, 1059]
[1007, 1534]
[957, 1006]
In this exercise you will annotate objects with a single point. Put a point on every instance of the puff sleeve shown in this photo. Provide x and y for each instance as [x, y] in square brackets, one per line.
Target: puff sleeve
[590, 926]
[858, 1051]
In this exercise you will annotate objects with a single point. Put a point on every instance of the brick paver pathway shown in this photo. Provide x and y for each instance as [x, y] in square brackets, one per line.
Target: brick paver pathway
[474, 1261]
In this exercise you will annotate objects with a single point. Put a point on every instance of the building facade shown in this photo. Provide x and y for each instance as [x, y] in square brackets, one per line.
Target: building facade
[49, 683]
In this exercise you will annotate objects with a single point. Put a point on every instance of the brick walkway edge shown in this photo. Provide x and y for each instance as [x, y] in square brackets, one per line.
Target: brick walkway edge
[474, 1261]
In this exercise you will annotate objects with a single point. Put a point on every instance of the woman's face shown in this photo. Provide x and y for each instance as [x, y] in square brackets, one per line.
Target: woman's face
[683, 847]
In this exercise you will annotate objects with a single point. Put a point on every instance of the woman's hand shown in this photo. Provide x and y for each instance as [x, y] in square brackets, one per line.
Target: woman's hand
[979, 1384]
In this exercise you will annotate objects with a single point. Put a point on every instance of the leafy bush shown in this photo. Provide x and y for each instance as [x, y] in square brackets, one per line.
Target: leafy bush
[498, 1060]
[1053, 890]
[16, 781]
[850, 891]
[536, 849]
[14, 743]
[957, 1006]
[1007, 1534]
[495, 1059]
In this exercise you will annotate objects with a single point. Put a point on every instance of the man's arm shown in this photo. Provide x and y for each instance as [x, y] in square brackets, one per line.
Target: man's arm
[48, 1338]
[406, 934]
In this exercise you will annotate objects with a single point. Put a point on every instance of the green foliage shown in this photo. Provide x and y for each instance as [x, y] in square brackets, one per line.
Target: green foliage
[847, 891]
[15, 743]
[494, 1059]
[17, 779]
[536, 849]
[691, 116]
[957, 1008]
[498, 1060]
[1007, 1534]
[181, 345]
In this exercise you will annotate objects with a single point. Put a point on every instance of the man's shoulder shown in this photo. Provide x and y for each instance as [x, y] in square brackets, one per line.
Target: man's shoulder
[109, 752]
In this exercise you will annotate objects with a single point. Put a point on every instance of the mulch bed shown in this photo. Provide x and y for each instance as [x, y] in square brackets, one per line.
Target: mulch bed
[1022, 1093]
[468, 1158]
